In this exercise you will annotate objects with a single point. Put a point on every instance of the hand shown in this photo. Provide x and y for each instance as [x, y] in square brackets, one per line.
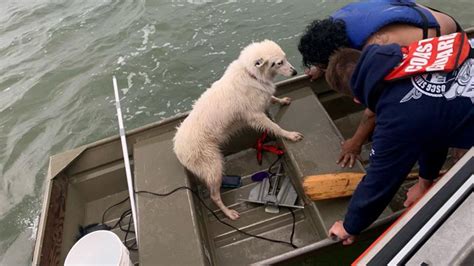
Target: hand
[314, 72]
[417, 191]
[458, 153]
[337, 230]
[350, 151]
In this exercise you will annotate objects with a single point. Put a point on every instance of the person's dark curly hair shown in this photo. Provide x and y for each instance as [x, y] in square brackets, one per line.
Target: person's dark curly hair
[321, 39]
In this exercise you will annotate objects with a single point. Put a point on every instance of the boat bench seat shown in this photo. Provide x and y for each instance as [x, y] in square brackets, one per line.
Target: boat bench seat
[165, 221]
[318, 152]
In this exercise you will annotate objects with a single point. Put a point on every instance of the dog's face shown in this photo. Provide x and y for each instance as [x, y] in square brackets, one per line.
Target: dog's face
[277, 65]
[267, 59]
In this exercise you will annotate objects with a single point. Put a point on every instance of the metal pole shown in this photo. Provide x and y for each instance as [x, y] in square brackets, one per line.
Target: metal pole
[131, 190]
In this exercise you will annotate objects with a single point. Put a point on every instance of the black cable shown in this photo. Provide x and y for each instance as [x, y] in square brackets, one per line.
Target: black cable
[132, 247]
[129, 211]
[108, 209]
[223, 222]
[273, 164]
[119, 223]
[293, 227]
[270, 173]
[127, 230]
[124, 214]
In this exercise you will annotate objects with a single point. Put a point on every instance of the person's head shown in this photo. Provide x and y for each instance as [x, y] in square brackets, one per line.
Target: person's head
[341, 66]
[321, 39]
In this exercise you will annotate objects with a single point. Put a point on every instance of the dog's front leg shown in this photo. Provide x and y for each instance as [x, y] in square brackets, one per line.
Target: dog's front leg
[261, 122]
[282, 101]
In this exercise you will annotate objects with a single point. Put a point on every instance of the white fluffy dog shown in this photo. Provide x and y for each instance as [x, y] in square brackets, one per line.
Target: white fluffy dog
[239, 99]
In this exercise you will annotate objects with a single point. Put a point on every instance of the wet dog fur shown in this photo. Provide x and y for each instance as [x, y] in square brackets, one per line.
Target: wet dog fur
[238, 100]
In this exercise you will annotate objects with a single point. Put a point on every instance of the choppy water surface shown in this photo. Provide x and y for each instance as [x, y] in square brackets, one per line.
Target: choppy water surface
[56, 62]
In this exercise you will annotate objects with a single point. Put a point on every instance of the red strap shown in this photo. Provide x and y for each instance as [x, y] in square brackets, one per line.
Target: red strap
[263, 147]
[273, 149]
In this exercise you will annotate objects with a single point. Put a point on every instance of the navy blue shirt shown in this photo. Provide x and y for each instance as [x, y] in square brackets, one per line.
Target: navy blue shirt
[418, 118]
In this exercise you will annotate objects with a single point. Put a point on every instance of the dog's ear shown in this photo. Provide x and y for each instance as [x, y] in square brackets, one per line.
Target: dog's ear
[260, 62]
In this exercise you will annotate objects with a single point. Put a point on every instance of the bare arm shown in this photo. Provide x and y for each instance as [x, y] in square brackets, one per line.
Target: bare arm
[351, 148]
[366, 126]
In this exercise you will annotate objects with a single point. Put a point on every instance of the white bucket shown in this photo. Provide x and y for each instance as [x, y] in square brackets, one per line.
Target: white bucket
[99, 248]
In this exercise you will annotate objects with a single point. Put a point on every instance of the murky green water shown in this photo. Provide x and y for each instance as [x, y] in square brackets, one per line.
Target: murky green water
[56, 62]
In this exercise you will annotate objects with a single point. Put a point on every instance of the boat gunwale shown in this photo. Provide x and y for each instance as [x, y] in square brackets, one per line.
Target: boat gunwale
[326, 242]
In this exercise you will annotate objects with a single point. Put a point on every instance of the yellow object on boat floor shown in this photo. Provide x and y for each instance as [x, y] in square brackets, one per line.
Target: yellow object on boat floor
[335, 185]
[328, 186]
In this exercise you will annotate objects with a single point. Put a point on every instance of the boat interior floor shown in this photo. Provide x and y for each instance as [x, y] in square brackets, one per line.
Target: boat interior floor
[97, 181]
[181, 217]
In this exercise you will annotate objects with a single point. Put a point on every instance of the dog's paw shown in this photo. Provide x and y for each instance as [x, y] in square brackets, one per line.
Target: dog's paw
[285, 101]
[232, 214]
[294, 136]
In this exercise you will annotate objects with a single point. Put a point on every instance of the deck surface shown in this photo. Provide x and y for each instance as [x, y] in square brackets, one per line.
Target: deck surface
[318, 152]
[233, 248]
[180, 218]
[167, 226]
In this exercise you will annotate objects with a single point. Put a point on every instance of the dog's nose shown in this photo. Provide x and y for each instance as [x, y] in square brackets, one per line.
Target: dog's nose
[294, 72]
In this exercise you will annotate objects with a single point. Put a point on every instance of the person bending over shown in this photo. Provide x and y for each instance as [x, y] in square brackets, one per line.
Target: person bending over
[358, 25]
[413, 124]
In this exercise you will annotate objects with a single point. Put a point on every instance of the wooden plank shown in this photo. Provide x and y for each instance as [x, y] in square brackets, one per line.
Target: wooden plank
[329, 186]
[336, 185]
